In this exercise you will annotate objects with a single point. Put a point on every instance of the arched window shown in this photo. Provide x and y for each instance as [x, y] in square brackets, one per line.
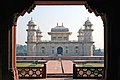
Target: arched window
[52, 51]
[42, 49]
[66, 51]
[76, 49]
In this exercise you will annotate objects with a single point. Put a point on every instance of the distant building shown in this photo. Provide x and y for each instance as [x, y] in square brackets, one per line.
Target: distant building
[60, 45]
[98, 52]
[21, 50]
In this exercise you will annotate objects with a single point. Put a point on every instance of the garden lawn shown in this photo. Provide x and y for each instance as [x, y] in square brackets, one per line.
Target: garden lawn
[28, 65]
[90, 65]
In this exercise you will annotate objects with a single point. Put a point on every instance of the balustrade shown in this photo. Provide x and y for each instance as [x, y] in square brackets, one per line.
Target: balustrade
[88, 72]
[32, 72]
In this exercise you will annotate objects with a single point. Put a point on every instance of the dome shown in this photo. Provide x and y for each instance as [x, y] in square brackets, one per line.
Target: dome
[31, 23]
[80, 30]
[38, 30]
[59, 29]
[88, 23]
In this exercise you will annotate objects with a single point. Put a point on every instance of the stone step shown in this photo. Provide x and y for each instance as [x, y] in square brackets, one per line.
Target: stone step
[59, 75]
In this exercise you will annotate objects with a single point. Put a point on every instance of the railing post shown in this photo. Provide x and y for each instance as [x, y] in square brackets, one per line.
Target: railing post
[44, 71]
[74, 72]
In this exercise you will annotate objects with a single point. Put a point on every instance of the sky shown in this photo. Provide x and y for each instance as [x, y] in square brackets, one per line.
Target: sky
[72, 17]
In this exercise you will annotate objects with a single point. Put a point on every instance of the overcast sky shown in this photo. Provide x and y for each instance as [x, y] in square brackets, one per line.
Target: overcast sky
[72, 17]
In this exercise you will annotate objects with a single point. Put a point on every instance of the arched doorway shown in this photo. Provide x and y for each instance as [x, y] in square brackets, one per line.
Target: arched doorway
[60, 50]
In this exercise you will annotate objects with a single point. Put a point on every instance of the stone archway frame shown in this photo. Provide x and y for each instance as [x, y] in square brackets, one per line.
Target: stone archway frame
[92, 6]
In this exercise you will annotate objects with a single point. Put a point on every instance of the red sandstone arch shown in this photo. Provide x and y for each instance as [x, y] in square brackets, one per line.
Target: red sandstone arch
[19, 8]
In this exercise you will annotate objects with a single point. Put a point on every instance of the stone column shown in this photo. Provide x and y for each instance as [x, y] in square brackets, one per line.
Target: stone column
[14, 46]
[13, 75]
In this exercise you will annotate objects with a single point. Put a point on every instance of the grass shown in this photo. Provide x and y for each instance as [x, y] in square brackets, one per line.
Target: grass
[23, 64]
[28, 65]
[90, 65]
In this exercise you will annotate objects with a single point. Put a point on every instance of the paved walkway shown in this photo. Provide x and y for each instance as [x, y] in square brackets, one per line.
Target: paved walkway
[67, 66]
[54, 67]
[59, 67]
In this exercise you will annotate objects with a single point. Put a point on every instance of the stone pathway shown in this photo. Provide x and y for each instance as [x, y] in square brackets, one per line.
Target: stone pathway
[54, 67]
[59, 67]
[67, 66]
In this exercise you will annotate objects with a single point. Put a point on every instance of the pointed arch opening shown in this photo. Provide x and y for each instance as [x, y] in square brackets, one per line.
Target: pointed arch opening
[60, 50]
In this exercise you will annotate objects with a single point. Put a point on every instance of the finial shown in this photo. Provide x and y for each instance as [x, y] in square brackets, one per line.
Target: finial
[38, 28]
[87, 18]
[62, 23]
[57, 23]
[81, 28]
[31, 19]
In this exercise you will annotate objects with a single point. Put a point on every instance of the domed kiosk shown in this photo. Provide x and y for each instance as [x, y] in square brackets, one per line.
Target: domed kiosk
[59, 29]
[59, 33]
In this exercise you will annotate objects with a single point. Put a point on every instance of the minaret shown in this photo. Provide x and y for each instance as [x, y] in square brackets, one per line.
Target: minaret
[88, 38]
[31, 38]
[81, 35]
[31, 31]
[88, 31]
[38, 35]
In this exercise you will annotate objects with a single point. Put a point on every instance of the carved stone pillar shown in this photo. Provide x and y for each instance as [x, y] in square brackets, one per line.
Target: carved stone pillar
[14, 45]
[12, 48]
[15, 72]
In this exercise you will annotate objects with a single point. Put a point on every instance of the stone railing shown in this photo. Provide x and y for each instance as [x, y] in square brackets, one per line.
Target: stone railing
[62, 57]
[32, 72]
[88, 72]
